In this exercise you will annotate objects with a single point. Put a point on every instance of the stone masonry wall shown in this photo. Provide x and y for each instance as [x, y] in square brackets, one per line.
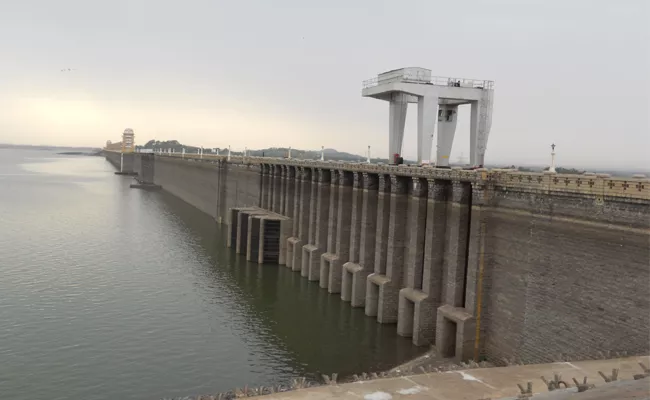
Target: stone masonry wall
[567, 276]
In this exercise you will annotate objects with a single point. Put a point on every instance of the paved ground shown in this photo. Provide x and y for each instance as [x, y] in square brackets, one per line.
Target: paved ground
[491, 383]
[621, 390]
[430, 359]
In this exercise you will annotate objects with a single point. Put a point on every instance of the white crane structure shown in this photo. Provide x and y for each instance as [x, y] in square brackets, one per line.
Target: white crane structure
[438, 99]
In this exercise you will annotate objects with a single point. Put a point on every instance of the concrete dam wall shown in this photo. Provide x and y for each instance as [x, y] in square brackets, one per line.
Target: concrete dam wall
[126, 160]
[212, 187]
[482, 264]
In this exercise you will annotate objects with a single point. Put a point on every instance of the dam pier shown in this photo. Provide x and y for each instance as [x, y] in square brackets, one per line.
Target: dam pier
[483, 264]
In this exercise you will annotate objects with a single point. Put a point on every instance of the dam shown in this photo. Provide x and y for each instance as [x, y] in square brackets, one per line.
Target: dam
[493, 265]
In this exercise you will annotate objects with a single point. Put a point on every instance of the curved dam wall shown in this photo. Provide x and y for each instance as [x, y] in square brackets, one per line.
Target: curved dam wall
[213, 187]
[498, 265]
[128, 160]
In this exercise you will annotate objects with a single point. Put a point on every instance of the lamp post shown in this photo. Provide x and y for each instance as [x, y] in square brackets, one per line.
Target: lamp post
[552, 168]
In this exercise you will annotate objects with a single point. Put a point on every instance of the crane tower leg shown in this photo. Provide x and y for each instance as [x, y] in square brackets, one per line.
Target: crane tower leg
[397, 120]
[427, 112]
[447, 117]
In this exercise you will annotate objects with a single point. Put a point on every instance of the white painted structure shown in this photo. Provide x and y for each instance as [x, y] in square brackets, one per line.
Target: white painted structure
[437, 98]
[552, 167]
[128, 141]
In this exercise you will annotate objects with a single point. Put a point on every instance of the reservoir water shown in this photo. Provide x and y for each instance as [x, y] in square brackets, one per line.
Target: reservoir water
[108, 292]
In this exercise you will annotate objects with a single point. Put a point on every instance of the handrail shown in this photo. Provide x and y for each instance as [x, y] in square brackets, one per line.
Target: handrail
[433, 80]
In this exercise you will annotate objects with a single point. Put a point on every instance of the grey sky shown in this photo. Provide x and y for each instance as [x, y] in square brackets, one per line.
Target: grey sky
[289, 73]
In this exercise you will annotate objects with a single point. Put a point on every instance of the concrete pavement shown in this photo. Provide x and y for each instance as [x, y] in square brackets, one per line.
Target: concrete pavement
[489, 383]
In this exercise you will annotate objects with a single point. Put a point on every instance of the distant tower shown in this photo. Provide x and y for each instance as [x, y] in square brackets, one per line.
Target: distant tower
[128, 141]
[435, 97]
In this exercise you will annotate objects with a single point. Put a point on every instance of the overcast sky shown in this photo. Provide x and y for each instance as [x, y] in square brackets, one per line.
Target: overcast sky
[289, 73]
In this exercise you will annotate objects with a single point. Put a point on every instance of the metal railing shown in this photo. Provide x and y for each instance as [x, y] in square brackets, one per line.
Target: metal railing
[415, 77]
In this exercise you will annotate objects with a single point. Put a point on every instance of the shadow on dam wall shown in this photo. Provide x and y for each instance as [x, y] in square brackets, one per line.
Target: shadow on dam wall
[321, 333]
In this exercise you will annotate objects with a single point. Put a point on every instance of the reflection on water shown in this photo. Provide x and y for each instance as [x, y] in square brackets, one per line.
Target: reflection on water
[109, 292]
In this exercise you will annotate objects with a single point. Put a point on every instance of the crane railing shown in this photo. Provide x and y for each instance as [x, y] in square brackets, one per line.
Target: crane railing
[415, 77]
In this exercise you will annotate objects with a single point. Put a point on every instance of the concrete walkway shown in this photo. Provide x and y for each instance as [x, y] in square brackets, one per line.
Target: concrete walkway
[483, 383]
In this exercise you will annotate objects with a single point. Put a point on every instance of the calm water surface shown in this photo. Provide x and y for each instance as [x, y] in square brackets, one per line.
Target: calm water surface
[108, 292]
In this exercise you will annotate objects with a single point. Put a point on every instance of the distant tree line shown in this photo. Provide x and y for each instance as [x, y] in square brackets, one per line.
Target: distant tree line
[561, 170]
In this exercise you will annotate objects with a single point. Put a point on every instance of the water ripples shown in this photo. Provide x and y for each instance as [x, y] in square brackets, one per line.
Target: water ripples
[108, 292]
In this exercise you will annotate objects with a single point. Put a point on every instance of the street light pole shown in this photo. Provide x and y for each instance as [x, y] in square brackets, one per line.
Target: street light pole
[552, 168]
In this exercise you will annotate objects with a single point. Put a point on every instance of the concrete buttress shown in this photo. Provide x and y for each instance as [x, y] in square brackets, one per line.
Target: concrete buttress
[332, 221]
[381, 236]
[311, 233]
[343, 226]
[414, 257]
[283, 190]
[458, 218]
[389, 289]
[427, 299]
[351, 266]
[318, 228]
[289, 191]
[271, 186]
[295, 214]
[366, 250]
[277, 189]
[263, 185]
[303, 217]
[455, 327]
